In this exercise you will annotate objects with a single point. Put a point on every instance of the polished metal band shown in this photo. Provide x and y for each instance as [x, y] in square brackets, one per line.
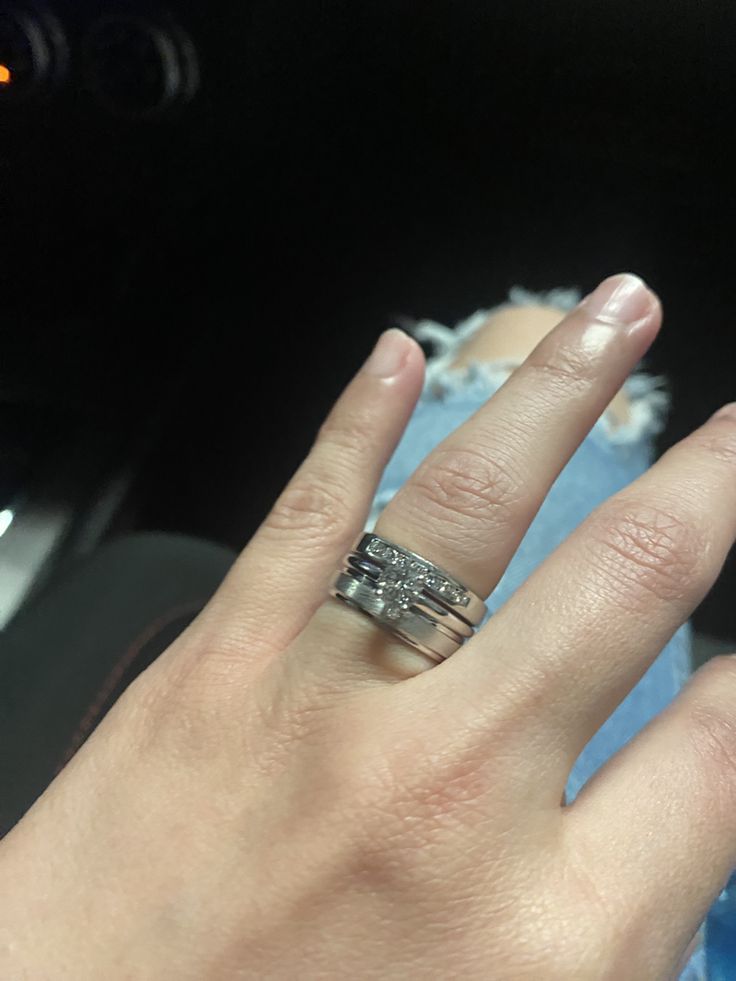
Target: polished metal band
[413, 598]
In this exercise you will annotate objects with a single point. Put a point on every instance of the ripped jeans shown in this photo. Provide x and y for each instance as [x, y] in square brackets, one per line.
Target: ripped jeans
[609, 459]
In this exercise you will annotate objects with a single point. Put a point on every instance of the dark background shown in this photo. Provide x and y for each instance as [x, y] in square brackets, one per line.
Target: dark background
[184, 295]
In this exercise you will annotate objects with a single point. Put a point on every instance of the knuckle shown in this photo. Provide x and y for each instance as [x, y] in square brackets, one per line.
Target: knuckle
[719, 441]
[443, 792]
[434, 793]
[313, 508]
[649, 550]
[170, 712]
[462, 485]
[565, 364]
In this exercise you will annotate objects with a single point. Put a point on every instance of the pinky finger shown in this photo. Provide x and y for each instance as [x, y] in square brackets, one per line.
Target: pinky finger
[323, 509]
[660, 821]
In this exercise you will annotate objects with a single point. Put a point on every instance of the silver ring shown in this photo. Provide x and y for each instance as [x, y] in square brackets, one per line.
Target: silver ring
[409, 596]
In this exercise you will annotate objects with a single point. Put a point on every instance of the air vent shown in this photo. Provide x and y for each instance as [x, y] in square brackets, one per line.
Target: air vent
[139, 68]
[34, 56]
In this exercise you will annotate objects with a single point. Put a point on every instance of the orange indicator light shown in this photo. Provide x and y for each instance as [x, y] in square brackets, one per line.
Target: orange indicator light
[6, 76]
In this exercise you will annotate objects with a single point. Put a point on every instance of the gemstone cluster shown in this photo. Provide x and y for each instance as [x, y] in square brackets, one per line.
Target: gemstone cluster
[403, 579]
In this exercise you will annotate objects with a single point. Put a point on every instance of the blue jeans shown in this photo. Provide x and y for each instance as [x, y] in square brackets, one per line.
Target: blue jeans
[609, 459]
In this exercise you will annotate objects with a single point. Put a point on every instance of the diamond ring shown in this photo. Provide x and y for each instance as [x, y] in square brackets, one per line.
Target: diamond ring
[409, 596]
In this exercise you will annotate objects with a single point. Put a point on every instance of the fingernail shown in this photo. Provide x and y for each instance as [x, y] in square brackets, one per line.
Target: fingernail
[388, 355]
[621, 300]
[727, 412]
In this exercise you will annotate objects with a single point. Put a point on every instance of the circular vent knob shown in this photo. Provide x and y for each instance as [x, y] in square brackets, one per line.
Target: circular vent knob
[34, 56]
[139, 68]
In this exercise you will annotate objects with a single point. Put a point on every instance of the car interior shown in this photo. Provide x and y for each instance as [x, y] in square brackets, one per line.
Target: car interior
[210, 211]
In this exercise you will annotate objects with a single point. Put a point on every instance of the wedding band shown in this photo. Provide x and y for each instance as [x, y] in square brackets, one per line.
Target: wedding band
[409, 596]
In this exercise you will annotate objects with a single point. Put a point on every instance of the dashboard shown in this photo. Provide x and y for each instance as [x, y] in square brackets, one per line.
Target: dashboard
[206, 206]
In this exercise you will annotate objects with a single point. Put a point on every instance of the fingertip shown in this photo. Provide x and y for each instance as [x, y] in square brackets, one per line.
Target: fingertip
[415, 358]
[627, 301]
[390, 354]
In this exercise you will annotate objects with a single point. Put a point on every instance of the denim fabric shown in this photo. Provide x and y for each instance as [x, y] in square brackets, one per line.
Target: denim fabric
[607, 461]
[720, 936]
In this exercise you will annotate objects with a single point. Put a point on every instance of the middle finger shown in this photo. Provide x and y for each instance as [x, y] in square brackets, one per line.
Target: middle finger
[470, 503]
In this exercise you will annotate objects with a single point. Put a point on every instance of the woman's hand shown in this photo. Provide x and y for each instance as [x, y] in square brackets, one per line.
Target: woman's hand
[288, 793]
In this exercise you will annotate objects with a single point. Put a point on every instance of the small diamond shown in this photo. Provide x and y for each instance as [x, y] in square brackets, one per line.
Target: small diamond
[392, 611]
[377, 548]
[398, 561]
[388, 580]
